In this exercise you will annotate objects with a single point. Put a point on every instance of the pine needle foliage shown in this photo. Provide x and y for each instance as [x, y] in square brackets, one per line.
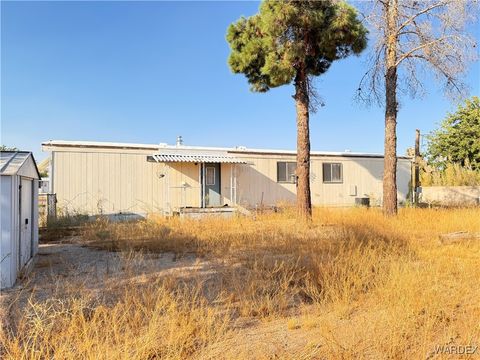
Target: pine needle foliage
[271, 46]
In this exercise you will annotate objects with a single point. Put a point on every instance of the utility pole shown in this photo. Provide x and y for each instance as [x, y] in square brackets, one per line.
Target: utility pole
[416, 178]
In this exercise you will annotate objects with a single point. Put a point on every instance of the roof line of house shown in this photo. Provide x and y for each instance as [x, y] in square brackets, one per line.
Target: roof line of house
[100, 145]
[312, 153]
[232, 150]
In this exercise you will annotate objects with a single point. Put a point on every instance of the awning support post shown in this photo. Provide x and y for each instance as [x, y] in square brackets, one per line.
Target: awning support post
[167, 207]
[203, 185]
[234, 185]
[231, 183]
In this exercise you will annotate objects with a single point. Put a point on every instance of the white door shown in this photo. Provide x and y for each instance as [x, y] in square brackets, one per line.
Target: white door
[25, 221]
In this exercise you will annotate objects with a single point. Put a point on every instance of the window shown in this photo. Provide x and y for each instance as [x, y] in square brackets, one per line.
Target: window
[286, 171]
[210, 175]
[332, 173]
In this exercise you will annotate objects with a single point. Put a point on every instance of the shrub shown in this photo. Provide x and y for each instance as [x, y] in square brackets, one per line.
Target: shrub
[453, 175]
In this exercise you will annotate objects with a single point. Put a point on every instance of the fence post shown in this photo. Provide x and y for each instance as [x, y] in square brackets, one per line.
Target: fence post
[416, 178]
[51, 207]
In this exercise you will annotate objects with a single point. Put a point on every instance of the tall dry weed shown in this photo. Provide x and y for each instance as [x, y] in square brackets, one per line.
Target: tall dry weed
[371, 287]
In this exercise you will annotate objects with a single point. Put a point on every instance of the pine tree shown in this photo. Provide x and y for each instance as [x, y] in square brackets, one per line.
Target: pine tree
[293, 41]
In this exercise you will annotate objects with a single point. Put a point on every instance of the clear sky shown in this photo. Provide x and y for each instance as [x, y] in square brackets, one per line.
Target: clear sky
[147, 72]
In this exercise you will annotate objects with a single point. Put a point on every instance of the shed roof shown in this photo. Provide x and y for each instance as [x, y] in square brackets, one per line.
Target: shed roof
[18, 162]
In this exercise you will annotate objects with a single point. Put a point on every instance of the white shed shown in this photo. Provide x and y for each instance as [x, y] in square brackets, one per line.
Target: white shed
[19, 214]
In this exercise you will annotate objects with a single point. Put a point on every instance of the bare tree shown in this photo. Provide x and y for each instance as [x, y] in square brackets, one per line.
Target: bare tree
[413, 40]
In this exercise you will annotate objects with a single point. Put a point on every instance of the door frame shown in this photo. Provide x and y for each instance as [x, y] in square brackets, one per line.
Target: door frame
[19, 249]
[30, 219]
[202, 174]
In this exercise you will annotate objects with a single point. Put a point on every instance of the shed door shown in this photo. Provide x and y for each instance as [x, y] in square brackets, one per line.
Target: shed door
[25, 221]
[212, 184]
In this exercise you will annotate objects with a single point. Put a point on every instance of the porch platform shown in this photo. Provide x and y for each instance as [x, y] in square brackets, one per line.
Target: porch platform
[223, 211]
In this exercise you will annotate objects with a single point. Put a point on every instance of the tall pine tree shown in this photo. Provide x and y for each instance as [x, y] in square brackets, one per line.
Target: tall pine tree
[293, 41]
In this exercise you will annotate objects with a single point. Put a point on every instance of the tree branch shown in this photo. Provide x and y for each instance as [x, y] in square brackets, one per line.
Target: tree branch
[408, 33]
[421, 12]
[409, 53]
[450, 78]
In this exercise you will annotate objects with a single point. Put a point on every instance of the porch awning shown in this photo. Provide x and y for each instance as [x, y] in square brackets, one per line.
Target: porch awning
[196, 158]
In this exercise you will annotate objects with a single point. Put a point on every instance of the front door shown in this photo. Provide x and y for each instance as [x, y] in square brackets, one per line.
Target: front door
[211, 180]
[25, 221]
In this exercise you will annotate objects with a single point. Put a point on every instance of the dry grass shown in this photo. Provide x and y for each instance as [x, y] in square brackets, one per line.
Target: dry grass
[352, 285]
[453, 175]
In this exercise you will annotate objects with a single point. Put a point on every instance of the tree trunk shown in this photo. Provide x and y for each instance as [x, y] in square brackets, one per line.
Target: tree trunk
[390, 159]
[304, 202]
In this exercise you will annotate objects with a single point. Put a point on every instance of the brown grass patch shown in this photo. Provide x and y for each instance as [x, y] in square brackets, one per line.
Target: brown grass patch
[352, 285]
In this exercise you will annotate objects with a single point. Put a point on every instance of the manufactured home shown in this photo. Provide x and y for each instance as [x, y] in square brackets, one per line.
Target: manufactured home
[138, 179]
[19, 214]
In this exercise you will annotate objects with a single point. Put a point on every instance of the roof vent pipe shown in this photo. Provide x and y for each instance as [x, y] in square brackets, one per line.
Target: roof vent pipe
[179, 140]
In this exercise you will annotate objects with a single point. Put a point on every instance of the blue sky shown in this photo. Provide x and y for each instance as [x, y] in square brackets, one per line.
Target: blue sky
[147, 72]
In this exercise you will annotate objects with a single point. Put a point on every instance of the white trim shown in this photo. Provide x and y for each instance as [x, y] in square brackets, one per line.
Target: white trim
[234, 184]
[58, 144]
[167, 208]
[203, 186]
[200, 183]
[50, 173]
[231, 183]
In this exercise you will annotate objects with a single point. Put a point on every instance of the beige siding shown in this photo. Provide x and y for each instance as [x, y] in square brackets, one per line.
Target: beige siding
[184, 185]
[258, 184]
[107, 182]
[123, 181]
[98, 182]
[362, 177]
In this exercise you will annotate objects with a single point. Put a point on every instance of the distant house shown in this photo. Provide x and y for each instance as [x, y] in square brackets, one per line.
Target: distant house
[111, 178]
[43, 168]
[19, 214]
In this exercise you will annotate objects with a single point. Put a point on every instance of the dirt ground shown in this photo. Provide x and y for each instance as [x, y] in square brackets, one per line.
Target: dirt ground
[68, 261]
[363, 287]
[87, 268]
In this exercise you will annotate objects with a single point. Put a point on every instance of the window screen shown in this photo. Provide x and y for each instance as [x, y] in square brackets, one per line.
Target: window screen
[332, 173]
[210, 175]
[286, 171]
